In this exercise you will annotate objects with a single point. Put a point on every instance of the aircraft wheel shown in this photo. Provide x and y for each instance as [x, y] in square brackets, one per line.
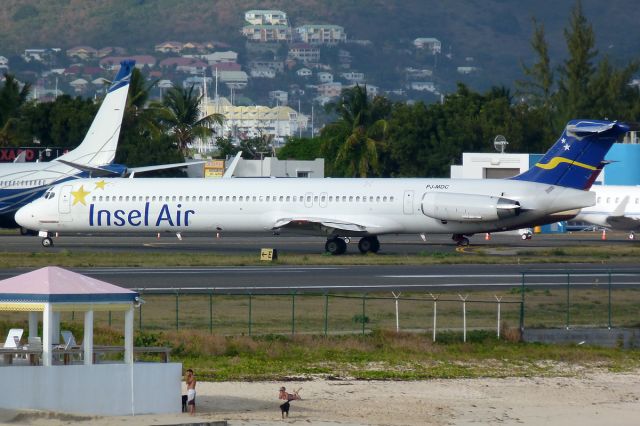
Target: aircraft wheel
[632, 236]
[524, 236]
[47, 242]
[335, 246]
[376, 245]
[463, 242]
[368, 244]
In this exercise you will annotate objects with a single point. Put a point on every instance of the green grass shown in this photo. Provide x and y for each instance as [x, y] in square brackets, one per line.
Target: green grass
[484, 255]
[385, 355]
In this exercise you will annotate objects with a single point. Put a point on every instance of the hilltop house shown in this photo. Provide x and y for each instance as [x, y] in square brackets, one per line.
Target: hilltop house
[430, 44]
[82, 52]
[266, 17]
[113, 62]
[321, 34]
[169, 47]
[304, 52]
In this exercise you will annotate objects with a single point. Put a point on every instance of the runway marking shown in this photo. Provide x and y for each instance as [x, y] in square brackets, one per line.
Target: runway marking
[530, 274]
[363, 286]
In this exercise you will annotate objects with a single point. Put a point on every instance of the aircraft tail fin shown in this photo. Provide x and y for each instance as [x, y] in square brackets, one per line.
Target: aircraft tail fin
[577, 158]
[99, 145]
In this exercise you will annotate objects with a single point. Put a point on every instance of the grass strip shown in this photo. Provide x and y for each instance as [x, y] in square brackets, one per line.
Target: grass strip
[485, 255]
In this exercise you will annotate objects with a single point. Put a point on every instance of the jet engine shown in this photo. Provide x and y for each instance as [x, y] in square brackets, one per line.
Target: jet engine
[446, 206]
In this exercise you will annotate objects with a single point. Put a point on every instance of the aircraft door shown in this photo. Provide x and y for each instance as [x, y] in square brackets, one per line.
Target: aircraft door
[323, 199]
[408, 202]
[308, 199]
[64, 202]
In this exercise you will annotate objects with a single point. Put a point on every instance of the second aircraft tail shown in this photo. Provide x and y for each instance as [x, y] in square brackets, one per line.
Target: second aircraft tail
[99, 145]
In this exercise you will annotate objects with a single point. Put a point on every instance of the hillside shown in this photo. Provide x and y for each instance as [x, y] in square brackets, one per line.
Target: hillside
[495, 33]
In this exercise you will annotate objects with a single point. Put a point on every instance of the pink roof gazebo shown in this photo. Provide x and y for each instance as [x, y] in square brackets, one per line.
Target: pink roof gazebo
[52, 290]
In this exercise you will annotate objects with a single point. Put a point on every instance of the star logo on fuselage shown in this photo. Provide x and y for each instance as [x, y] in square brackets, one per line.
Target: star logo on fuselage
[566, 147]
[79, 196]
[100, 184]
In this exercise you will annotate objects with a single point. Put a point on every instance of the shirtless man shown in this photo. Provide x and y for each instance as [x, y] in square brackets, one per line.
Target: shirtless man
[287, 397]
[190, 380]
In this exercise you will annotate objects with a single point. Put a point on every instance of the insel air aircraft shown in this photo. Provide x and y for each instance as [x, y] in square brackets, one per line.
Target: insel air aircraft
[338, 208]
[21, 183]
[617, 207]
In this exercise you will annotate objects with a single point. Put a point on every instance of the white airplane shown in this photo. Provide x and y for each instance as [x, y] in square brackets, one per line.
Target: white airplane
[550, 191]
[21, 182]
[617, 207]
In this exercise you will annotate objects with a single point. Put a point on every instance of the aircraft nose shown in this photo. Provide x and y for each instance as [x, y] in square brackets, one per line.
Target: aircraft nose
[25, 217]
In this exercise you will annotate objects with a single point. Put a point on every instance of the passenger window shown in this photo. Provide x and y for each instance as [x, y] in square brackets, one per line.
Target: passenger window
[309, 198]
[391, 199]
[358, 198]
[133, 198]
[288, 198]
[617, 200]
[254, 198]
[206, 198]
[227, 198]
[100, 198]
[599, 200]
[233, 198]
[268, 198]
[126, 198]
[93, 198]
[315, 198]
[174, 198]
[608, 200]
[384, 199]
[330, 198]
[295, 198]
[637, 199]
[323, 198]
[281, 198]
[351, 198]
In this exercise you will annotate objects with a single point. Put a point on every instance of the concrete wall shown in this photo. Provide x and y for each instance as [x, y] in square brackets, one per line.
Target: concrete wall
[103, 389]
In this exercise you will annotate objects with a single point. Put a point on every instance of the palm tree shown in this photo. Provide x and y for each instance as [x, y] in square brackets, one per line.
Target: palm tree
[356, 139]
[181, 115]
[12, 99]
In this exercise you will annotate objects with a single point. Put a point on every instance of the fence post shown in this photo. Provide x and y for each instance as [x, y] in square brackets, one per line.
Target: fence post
[522, 306]
[326, 313]
[397, 316]
[498, 299]
[464, 317]
[568, 300]
[177, 309]
[609, 300]
[364, 299]
[249, 313]
[140, 318]
[109, 318]
[293, 313]
[211, 311]
[435, 315]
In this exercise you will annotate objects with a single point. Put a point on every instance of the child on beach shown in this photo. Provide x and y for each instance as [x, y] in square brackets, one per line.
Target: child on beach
[287, 397]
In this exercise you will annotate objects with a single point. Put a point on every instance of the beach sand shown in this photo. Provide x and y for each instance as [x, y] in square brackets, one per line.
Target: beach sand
[592, 399]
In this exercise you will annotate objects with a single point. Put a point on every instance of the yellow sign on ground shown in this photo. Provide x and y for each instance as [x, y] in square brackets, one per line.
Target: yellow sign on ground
[268, 254]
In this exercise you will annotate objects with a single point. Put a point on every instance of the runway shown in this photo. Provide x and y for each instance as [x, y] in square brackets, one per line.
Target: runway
[277, 278]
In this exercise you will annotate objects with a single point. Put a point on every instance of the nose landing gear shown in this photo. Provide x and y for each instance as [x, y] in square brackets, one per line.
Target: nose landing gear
[47, 242]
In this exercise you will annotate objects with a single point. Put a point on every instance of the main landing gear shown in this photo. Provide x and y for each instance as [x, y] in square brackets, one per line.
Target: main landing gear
[461, 240]
[337, 245]
[632, 235]
[47, 242]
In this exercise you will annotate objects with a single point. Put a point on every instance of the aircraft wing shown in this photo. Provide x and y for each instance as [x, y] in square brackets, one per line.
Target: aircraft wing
[320, 223]
[95, 171]
[133, 170]
[100, 172]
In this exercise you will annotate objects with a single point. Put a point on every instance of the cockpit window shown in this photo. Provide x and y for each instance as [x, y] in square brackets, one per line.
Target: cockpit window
[49, 194]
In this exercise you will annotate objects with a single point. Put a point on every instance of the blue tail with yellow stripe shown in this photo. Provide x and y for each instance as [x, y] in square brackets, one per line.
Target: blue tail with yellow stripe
[576, 159]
